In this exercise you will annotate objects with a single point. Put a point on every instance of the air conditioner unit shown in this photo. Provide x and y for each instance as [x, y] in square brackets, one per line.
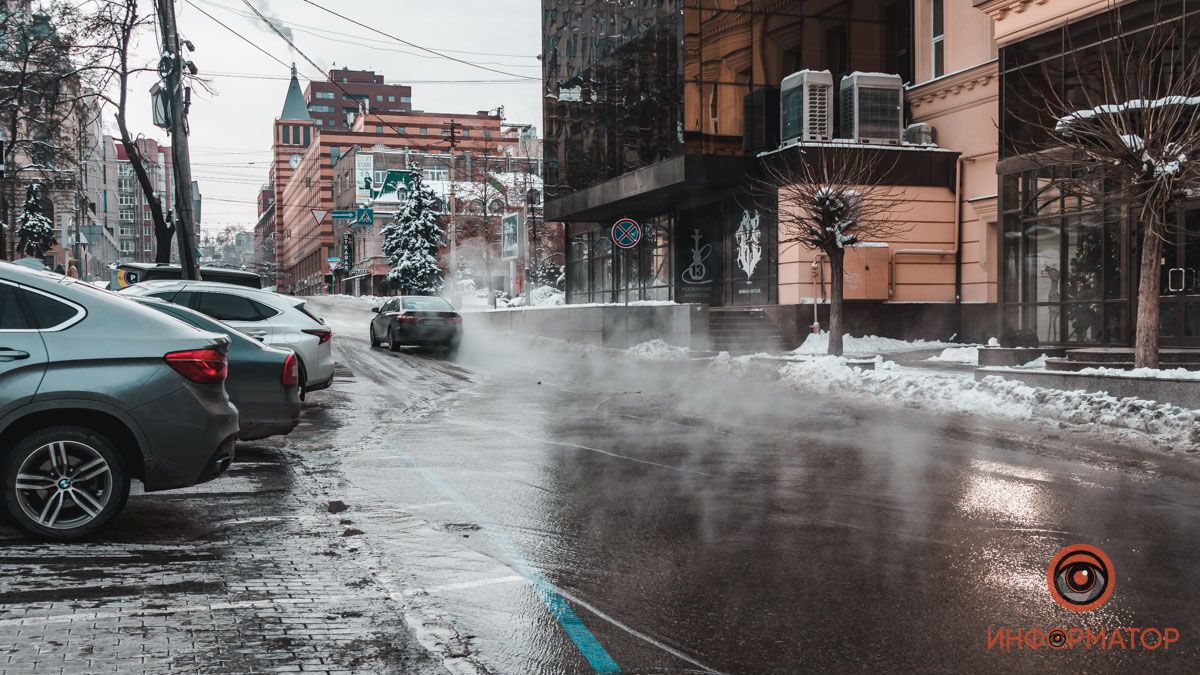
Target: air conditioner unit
[921, 133]
[872, 110]
[806, 107]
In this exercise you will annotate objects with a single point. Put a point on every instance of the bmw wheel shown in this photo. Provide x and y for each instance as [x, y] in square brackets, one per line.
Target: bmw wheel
[63, 483]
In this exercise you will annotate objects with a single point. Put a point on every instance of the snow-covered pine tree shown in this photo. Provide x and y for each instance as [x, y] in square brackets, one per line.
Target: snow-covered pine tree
[35, 232]
[411, 242]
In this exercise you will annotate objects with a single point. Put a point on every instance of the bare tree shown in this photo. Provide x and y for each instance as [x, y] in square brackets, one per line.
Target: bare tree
[115, 27]
[829, 198]
[483, 201]
[1122, 122]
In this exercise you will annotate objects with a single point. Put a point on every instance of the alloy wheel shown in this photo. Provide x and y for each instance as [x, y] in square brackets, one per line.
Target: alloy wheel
[64, 485]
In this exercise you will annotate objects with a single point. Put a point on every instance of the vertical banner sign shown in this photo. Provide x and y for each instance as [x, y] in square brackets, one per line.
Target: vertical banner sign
[364, 177]
[510, 236]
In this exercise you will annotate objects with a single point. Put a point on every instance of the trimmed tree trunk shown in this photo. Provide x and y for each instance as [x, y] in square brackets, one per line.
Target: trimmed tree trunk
[1145, 345]
[836, 279]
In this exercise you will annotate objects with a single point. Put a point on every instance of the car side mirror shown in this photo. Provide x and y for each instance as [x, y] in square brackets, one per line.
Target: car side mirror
[375, 309]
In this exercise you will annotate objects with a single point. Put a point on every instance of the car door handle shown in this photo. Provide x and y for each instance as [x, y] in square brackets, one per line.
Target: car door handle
[260, 334]
[7, 354]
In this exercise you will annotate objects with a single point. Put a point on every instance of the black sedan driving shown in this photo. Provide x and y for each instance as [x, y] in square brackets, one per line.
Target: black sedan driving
[419, 321]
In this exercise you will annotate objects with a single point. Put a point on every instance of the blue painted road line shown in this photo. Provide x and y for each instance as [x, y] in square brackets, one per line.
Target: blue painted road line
[597, 657]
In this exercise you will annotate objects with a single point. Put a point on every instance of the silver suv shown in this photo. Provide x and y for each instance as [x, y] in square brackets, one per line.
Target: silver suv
[95, 391]
[277, 320]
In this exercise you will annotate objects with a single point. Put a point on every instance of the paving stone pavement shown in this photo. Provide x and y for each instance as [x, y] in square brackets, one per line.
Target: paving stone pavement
[249, 573]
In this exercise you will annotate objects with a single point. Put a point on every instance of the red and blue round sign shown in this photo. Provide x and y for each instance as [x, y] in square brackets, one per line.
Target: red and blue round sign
[626, 233]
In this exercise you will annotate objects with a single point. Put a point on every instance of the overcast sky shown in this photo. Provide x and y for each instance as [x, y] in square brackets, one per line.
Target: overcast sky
[231, 130]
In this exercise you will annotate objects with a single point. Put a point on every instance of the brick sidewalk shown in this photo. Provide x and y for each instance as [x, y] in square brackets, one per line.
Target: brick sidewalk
[248, 573]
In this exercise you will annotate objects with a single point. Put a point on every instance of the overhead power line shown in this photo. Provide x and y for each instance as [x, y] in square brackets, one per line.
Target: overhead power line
[339, 37]
[243, 37]
[410, 44]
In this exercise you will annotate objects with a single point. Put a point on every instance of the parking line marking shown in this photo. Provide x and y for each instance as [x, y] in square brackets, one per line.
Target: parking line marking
[595, 654]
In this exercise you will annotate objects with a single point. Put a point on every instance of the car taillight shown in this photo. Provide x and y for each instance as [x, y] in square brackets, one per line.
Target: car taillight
[324, 334]
[404, 318]
[204, 366]
[291, 371]
[454, 318]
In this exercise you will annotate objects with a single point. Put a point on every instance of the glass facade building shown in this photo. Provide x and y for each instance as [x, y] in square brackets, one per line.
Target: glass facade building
[656, 109]
[1069, 263]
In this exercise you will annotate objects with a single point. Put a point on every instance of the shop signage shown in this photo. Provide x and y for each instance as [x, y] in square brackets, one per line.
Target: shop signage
[364, 171]
[510, 236]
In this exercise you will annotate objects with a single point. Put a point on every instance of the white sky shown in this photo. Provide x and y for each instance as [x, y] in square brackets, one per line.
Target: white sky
[231, 130]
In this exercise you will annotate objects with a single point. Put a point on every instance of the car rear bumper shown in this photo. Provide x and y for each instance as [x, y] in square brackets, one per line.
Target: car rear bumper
[448, 334]
[263, 414]
[190, 436]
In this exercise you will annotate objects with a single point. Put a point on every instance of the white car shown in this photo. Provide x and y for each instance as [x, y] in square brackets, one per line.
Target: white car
[278, 320]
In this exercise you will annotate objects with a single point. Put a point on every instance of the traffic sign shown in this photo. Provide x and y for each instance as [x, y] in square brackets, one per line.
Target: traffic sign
[626, 233]
[319, 215]
[365, 217]
[344, 215]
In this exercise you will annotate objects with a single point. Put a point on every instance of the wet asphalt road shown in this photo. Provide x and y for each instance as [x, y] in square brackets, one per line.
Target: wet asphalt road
[689, 520]
[530, 508]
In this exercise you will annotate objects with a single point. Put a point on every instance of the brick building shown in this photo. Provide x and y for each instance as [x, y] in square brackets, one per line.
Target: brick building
[338, 101]
[135, 226]
[305, 153]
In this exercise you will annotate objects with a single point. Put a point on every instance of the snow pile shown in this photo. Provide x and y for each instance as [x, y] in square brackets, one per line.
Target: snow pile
[996, 396]
[963, 355]
[993, 342]
[818, 343]
[1037, 364]
[657, 350]
[546, 295]
[1149, 373]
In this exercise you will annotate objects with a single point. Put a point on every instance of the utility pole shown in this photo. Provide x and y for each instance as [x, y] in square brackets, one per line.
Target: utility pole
[454, 297]
[171, 70]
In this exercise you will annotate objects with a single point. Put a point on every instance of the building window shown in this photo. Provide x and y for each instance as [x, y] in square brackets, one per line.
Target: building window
[937, 45]
[126, 200]
[424, 131]
[406, 99]
[391, 99]
[320, 108]
[597, 272]
[379, 98]
[127, 215]
[379, 128]
[327, 95]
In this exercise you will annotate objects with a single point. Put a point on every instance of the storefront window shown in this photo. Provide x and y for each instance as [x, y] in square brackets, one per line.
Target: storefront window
[1061, 262]
[597, 271]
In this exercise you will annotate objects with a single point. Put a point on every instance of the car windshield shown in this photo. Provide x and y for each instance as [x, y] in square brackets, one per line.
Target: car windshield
[427, 304]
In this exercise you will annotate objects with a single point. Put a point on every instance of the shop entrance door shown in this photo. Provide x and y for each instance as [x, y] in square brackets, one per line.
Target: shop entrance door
[1179, 311]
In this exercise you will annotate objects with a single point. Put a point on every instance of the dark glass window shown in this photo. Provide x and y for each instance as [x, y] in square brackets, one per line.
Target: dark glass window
[226, 307]
[11, 316]
[46, 312]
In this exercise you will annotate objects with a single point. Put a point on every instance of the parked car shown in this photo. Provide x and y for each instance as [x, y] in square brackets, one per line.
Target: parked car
[129, 274]
[263, 382]
[277, 320]
[418, 320]
[96, 390]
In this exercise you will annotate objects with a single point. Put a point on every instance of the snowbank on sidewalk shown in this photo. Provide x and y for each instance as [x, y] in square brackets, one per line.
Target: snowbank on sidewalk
[657, 350]
[1148, 373]
[963, 355]
[818, 343]
[1167, 424]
